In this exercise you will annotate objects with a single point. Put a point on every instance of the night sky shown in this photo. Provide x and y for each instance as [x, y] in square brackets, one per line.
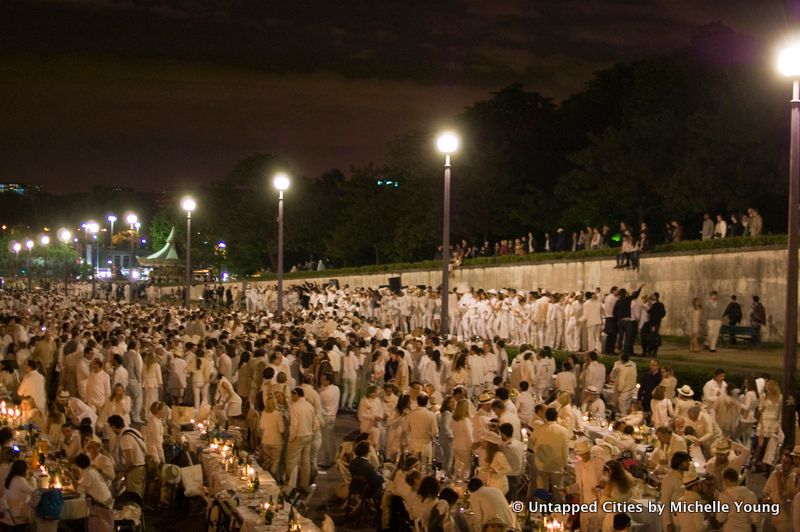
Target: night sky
[159, 93]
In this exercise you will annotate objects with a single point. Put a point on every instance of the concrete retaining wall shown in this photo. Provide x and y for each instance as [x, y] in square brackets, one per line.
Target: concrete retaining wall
[678, 277]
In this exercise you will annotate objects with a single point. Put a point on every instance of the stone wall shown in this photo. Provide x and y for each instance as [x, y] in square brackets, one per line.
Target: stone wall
[678, 277]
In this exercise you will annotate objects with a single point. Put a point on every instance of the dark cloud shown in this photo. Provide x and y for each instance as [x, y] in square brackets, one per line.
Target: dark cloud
[157, 92]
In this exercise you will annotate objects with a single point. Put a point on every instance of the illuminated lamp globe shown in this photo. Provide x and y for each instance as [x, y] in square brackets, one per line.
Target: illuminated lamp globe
[132, 219]
[29, 244]
[281, 182]
[447, 143]
[44, 240]
[789, 61]
[188, 204]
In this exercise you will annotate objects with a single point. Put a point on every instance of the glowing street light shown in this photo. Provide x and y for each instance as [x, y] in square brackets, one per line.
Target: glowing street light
[29, 244]
[789, 66]
[281, 183]
[447, 143]
[44, 240]
[131, 219]
[188, 204]
[65, 235]
[111, 219]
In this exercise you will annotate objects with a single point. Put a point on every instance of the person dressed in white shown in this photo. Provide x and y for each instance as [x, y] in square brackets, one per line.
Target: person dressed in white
[227, 402]
[151, 382]
[98, 386]
[420, 427]
[20, 496]
[329, 400]
[489, 503]
[592, 318]
[100, 501]
[272, 429]
[177, 379]
[153, 432]
[303, 424]
[370, 416]
[350, 364]
[588, 476]
[33, 386]
[735, 493]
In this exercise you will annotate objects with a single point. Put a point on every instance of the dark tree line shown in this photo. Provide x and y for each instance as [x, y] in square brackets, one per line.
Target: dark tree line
[661, 139]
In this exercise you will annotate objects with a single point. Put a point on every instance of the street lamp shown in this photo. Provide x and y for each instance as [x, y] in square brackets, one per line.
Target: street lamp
[111, 219]
[789, 66]
[447, 144]
[44, 240]
[65, 235]
[29, 245]
[93, 228]
[17, 247]
[188, 204]
[281, 183]
[131, 218]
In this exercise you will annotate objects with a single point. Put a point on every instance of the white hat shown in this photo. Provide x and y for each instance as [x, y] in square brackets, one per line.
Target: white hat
[686, 391]
[592, 389]
[582, 446]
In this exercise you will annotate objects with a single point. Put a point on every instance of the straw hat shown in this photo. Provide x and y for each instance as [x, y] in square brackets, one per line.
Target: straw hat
[796, 450]
[171, 474]
[686, 391]
[592, 389]
[485, 398]
[690, 478]
[582, 446]
[722, 446]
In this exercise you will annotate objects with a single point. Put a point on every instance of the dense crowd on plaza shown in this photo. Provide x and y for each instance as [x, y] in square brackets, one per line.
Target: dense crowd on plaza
[450, 429]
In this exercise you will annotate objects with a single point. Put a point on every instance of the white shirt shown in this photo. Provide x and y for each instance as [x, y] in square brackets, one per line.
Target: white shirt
[488, 503]
[302, 419]
[132, 440]
[420, 425]
[525, 407]
[329, 400]
[98, 389]
[596, 375]
[153, 433]
[272, 428]
[734, 521]
[33, 386]
[121, 377]
[92, 484]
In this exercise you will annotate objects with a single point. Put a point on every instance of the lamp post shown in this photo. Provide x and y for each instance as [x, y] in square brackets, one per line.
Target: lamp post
[132, 219]
[188, 204]
[281, 183]
[789, 66]
[44, 241]
[17, 247]
[111, 219]
[65, 236]
[93, 228]
[29, 245]
[447, 144]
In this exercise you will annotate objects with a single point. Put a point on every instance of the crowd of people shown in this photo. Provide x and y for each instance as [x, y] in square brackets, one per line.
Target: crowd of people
[632, 240]
[441, 420]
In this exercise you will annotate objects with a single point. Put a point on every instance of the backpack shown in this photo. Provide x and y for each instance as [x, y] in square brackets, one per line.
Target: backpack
[50, 505]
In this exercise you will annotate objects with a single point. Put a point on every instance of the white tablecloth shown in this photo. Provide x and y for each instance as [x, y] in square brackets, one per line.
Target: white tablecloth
[219, 480]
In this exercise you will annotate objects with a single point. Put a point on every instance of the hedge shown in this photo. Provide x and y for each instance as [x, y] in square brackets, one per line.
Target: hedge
[686, 245]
